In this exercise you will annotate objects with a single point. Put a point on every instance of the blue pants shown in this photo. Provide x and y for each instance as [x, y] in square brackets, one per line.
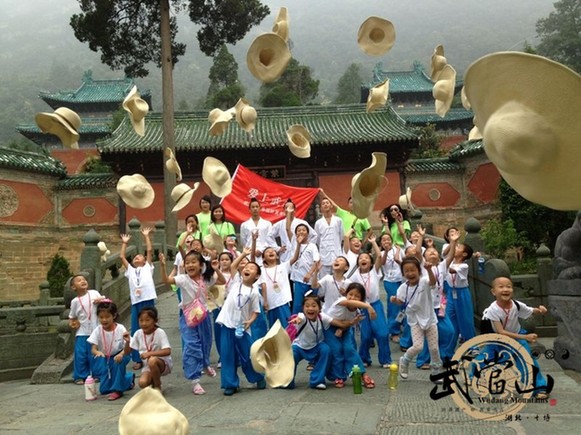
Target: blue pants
[258, 327]
[394, 328]
[236, 351]
[113, 376]
[445, 336]
[377, 329]
[135, 309]
[217, 330]
[343, 354]
[321, 354]
[281, 313]
[460, 311]
[82, 361]
[197, 345]
[299, 290]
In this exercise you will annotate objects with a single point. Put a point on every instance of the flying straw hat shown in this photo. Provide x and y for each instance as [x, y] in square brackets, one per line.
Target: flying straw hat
[268, 57]
[245, 115]
[464, 99]
[443, 90]
[438, 62]
[182, 195]
[63, 123]
[215, 174]
[217, 293]
[219, 120]
[281, 26]
[103, 250]
[137, 109]
[273, 356]
[172, 164]
[148, 413]
[527, 108]
[377, 96]
[405, 200]
[135, 191]
[376, 36]
[213, 242]
[366, 186]
[299, 141]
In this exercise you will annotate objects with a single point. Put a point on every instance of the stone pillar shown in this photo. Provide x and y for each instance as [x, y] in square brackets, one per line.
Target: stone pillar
[91, 259]
[136, 236]
[472, 228]
[159, 240]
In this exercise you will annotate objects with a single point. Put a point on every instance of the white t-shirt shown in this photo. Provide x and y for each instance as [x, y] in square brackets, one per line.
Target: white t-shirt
[248, 227]
[509, 320]
[84, 310]
[439, 272]
[308, 254]
[192, 289]
[329, 238]
[352, 259]
[330, 289]
[279, 230]
[312, 333]
[340, 312]
[278, 291]
[370, 281]
[141, 285]
[391, 269]
[108, 342]
[460, 278]
[418, 304]
[157, 340]
[238, 307]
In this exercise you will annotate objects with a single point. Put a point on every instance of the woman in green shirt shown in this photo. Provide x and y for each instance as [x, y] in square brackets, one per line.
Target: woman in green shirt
[204, 216]
[396, 224]
[219, 224]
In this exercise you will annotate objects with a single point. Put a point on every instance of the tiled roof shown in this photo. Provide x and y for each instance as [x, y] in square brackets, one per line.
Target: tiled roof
[442, 164]
[328, 125]
[405, 81]
[88, 126]
[426, 114]
[31, 162]
[88, 181]
[95, 91]
[467, 148]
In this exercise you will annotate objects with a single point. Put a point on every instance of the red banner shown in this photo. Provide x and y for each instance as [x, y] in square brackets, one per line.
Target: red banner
[271, 195]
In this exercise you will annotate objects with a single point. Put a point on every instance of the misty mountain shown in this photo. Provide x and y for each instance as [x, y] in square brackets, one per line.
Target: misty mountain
[38, 50]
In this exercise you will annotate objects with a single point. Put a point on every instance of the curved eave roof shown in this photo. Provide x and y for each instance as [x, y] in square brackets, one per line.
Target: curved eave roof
[88, 126]
[426, 115]
[467, 148]
[88, 181]
[414, 81]
[328, 125]
[95, 91]
[432, 165]
[31, 162]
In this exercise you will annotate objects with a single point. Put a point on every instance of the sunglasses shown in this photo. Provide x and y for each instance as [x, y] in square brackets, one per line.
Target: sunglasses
[394, 209]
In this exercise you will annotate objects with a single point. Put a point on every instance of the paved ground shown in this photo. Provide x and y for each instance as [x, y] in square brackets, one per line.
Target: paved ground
[61, 409]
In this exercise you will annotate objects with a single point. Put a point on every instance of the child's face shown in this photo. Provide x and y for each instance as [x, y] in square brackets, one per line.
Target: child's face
[106, 320]
[79, 284]
[197, 246]
[303, 232]
[243, 263]
[147, 323]
[502, 289]
[270, 256]
[355, 244]
[353, 295]
[191, 222]
[192, 265]
[452, 232]
[340, 264]
[230, 241]
[225, 262]
[250, 272]
[411, 251]
[414, 236]
[138, 261]
[411, 273]
[364, 262]
[459, 252]
[431, 255]
[311, 308]
[386, 242]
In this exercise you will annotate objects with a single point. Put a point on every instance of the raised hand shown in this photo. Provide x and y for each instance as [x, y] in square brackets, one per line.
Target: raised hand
[125, 238]
[146, 231]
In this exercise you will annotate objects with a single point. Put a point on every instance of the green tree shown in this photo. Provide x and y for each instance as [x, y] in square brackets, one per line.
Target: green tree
[349, 85]
[58, 274]
[430, 141]
[225, 88]
[295, 87]
[560, 34]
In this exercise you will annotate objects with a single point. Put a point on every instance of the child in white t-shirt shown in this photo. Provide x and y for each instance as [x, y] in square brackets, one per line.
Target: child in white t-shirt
[332, 287]
[275, 287]
[303, 264]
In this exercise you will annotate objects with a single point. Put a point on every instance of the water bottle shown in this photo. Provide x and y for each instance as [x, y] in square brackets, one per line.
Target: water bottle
[239, 331]
[481, 262]
[393, 378]
[356, 379]
[90, 389]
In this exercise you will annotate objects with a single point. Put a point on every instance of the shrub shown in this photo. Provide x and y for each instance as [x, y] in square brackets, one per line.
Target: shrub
[57, 275]
[499, 236]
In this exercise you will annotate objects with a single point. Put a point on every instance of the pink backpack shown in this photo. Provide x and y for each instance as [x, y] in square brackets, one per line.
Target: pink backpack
[292, 330]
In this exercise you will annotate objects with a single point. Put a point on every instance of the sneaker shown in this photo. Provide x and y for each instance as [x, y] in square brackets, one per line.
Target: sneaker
[321, 386]
[261, 385]
[403, 368]
[435, 372]
[219, 365]
[385, 366]
[211, 372]
[198, 390]
[229, 391]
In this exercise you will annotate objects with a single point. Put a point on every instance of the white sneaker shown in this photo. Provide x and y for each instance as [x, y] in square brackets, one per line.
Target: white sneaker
[321, 386]
[403, 368]
[434, 372]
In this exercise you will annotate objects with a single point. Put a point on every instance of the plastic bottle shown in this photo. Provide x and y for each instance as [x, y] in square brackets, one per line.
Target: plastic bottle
[356, 379]
[393, 378]
[481, 262]
[90, 389]
[239, 331]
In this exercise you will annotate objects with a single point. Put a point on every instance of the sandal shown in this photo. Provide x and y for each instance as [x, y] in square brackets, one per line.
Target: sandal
[114, 396]
[542, 395]
[198, 390]
[211, 371]
[425, 367]
[367, 381]
[310, 367]
[79, 382]
[339, 383]
[137, 366]
[395, 338]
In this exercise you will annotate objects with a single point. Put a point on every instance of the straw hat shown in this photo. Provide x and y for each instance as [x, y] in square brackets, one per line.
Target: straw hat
[172, 164]
[245, 115]
[135, 191]
[137, 109]
[376, 36]
[148, 413]
[443, 90]
[527, 108]
[366, 186]
[64, 123]
[268, 57]
[218, 293]
[405, 200]
[281, 24]
[438, 62]
[464, 99]
[299, 141]
[103, 250]
[219, 120]
[182, 195]
[273, 356]
[214, 242]
[215, 174]
[474, 134]
[377, 96]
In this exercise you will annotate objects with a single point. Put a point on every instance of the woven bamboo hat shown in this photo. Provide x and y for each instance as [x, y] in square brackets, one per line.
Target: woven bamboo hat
[63, 123]
[135, 191]
[376, 36]
[137, 109]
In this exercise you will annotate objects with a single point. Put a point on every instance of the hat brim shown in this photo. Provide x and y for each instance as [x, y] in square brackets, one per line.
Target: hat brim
[267, 57]
[377, 96]
[302, 152]
[209, 168]
[137, 108]
[376, 36]
[55, 124]
[185, 198]
[218, 293]
[366, 185]
[273, 356]
[124, 188]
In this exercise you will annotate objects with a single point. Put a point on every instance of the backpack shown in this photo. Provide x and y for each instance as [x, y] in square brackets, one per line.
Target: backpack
[486, 324]
[292, 330]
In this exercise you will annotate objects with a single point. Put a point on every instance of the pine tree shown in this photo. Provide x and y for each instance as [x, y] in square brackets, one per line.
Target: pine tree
[225, 88]
[349, 85]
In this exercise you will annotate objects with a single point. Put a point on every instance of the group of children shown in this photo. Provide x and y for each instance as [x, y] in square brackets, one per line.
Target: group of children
[429, 306]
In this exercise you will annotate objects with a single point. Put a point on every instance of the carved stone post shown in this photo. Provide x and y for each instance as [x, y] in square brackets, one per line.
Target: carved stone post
[91, 259]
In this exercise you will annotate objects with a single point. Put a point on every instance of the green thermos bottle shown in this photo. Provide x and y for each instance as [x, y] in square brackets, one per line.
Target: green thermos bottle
[356, 379]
